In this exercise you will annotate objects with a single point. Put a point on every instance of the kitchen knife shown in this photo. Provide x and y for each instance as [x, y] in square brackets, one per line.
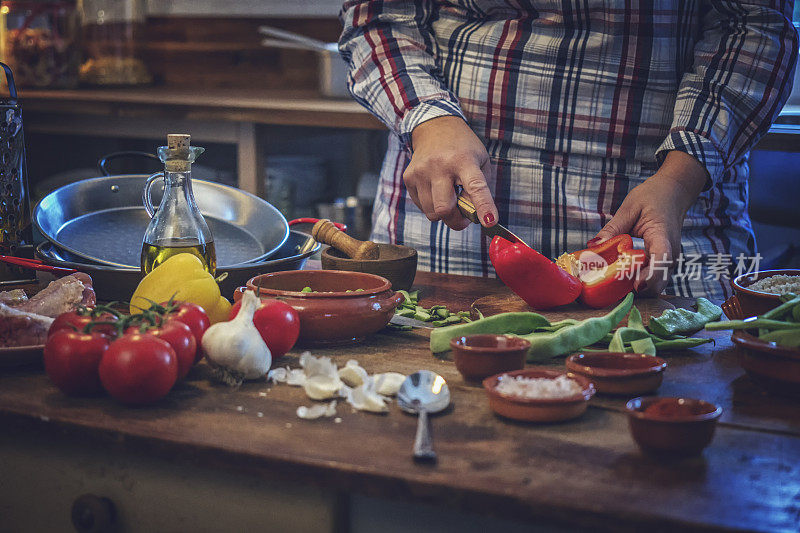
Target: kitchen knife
[470, 213]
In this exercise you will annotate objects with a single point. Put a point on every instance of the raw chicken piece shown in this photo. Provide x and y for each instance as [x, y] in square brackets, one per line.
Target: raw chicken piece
[62, 295]
[20, 328]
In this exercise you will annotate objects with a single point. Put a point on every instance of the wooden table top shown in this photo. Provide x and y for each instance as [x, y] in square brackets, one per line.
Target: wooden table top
[587, 472]
[294, 108]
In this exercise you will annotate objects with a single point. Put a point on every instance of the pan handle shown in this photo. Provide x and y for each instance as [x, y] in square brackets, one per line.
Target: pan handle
[146, 199]
[339, 225]
[102, 163]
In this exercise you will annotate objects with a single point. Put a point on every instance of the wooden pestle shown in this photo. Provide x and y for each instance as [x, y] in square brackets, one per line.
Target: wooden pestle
[325, 232]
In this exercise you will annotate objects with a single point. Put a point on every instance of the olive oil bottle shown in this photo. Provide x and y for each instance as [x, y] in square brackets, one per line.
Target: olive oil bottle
[177, 226]
[153, 254]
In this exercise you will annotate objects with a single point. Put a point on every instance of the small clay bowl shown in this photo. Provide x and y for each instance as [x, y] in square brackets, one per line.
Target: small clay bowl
[396, 263]
[619, 373]
[331, 315]
[669, 432]
[480, 356]
[774, 368]
[753, 303]
[539, 410]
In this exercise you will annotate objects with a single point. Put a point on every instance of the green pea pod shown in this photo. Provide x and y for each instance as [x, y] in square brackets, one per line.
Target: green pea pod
[575, 336]
[677, 321]
[632, 338]
[504, 323]
[796, 313]
[789, 338]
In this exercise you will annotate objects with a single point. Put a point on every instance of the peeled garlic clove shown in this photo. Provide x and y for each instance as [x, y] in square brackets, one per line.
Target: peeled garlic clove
[317, 411]
[388, 383]
[352, 374]
[322, 387]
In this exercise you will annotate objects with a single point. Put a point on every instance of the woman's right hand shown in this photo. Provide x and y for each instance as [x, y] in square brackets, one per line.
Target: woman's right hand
[447, 153]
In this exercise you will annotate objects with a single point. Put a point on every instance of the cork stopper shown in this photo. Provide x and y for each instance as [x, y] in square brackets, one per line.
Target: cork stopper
[178, 145]
[176, 141]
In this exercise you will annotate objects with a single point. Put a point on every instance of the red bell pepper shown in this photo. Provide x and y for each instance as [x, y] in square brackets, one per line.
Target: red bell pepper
[607, 271]
[532, 276]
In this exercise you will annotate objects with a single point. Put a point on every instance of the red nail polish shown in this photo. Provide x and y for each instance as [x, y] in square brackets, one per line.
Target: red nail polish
[594, 241]
[488, 218]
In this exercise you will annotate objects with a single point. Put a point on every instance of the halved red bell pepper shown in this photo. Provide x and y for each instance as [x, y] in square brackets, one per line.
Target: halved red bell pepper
[532, 276]
[607, 271]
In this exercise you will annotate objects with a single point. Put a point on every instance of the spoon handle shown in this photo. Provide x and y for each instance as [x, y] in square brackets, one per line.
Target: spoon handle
[423, 442]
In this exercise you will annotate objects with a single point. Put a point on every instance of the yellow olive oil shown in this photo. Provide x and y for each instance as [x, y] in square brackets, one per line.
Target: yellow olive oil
[153, 255]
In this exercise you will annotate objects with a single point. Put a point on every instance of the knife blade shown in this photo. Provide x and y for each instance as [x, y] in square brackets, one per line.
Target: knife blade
[467, 209]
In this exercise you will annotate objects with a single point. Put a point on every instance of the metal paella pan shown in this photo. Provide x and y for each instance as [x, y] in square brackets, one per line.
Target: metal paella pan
[102, 220]
[114, 283]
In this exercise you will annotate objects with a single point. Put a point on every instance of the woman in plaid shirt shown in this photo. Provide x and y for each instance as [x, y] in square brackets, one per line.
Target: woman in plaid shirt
[572, 120]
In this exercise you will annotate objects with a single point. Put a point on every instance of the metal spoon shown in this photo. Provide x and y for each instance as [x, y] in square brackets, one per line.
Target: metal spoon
[421, 393]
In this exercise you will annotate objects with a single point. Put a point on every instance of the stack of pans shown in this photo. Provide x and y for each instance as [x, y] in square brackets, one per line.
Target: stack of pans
[96, 226]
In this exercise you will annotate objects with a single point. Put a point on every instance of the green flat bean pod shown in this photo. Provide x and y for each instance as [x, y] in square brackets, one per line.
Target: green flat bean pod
[504, 323]
[573, 337]
[683, 321]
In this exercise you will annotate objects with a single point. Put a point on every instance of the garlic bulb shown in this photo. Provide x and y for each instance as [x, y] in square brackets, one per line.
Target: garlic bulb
[237, 345]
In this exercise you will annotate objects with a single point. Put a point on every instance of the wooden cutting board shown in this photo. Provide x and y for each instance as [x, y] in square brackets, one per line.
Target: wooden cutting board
[506, 302]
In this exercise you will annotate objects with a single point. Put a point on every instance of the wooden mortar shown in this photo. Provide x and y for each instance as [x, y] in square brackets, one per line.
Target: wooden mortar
[394, 262]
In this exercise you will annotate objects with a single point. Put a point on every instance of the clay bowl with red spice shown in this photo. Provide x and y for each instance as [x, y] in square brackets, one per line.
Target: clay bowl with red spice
[481, 356]
[539, 410]
[672, 426]
[774, 368]
[747, 302]
[619, 373]
[331, 315]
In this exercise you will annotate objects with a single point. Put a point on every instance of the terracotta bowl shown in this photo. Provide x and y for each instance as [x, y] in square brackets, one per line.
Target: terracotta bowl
[534, 410]
[619, 373]
[331, 315]
[396, 263]
[682, 434]
[481, 356]
[775, 368]
[749, 302]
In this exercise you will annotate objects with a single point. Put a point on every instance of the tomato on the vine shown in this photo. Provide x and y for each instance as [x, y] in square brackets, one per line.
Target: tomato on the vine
[138, 369]
[77, 319]
[277, 322]
[179, 337]
[72, 358]
[193, 316]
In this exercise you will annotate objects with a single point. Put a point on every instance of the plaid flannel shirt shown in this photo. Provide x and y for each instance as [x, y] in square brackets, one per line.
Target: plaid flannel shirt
[577, 102]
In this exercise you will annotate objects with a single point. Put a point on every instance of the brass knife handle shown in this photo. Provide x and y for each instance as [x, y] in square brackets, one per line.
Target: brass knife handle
[467, 209]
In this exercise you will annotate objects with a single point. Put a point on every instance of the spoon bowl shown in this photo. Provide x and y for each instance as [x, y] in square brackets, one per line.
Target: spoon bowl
[421, 393]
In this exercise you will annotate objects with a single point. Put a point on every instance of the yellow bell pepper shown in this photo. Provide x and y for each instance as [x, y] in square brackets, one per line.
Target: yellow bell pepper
[182, 278]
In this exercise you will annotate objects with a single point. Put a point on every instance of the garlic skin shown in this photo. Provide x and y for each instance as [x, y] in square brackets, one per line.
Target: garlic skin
[237, 345]
[365, 398]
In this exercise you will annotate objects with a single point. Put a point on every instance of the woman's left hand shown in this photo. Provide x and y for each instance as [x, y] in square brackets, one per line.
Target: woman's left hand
[654, 211]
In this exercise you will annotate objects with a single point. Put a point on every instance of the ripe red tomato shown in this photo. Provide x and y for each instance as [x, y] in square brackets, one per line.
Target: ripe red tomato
[78, 319]
[138, 369]
[193, 316]
[71, 359]
[277, 322]
[179, 337]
